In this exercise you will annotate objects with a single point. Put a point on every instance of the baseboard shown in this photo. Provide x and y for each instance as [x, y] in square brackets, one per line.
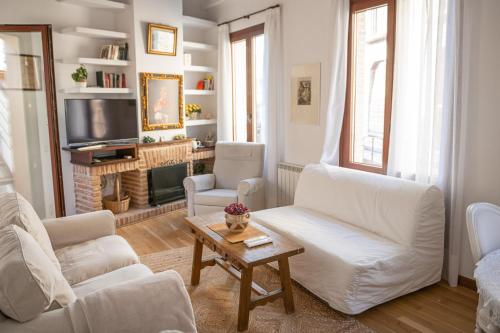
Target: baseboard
[467, 282]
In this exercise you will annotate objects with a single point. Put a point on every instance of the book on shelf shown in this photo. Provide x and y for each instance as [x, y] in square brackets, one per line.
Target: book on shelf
[114, 52]
[110, 80]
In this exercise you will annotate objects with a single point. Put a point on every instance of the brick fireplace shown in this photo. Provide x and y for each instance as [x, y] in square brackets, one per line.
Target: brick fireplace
[87, 178]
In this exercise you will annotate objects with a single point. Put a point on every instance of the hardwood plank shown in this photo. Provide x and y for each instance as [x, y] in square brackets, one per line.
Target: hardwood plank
[438, 308]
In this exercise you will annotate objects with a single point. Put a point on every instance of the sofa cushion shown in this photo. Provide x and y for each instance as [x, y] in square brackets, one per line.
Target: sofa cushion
[115, 277]
[29, 282]
[348, 267]
[17, 210]
[397, 209]
[218, 197]
[83, 261]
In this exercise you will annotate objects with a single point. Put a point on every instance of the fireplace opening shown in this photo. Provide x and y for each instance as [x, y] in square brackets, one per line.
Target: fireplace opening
[165, 184]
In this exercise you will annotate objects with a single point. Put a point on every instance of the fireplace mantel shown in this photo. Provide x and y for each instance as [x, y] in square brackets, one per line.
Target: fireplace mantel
[87, 179]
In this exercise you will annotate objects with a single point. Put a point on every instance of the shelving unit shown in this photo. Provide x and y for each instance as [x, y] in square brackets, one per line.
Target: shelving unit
[94, 33]
[96, 61]
[194, 46]
[99, 4]
[96, 90]
[196, 22]
[201, 122]
[200, 69]
[193, 92]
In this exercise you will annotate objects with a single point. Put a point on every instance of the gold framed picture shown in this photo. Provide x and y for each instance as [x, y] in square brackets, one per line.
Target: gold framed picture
[162, 39]
[162, 101]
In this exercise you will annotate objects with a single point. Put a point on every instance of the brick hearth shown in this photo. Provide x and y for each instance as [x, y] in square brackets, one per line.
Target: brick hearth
[87, 179]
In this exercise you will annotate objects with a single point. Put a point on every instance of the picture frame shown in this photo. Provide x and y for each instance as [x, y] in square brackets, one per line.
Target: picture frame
[305, 94]
[162, 39]
[25, 72]
[162, 101]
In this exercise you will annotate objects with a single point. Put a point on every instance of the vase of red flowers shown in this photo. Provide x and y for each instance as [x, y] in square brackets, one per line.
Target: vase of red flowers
[237, 217]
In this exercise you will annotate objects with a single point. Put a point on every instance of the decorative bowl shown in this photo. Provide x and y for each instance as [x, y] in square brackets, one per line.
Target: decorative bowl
[237, 223]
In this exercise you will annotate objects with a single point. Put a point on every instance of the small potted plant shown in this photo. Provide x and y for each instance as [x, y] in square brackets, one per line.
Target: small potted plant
[80, 76]
[237, 217]
[193, 110]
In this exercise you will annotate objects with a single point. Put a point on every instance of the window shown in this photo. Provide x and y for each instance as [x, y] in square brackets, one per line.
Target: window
[248, 73]
[365, 132]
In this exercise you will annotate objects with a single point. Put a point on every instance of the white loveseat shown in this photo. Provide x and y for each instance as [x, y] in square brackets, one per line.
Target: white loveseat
[368, 238]
[79, 263]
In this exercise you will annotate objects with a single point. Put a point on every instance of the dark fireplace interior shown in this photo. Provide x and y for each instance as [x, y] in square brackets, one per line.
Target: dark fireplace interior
[165, 184]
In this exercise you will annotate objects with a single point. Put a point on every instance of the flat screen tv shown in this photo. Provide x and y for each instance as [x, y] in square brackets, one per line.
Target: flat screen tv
[91, 121]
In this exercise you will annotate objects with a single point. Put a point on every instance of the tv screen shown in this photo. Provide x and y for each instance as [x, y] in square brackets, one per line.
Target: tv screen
[100, 120]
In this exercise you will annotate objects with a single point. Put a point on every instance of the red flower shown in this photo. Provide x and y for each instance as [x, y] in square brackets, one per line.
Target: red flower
[236, 209]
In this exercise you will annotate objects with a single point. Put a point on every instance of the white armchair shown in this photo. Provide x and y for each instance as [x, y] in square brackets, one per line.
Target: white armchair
[237, 177]
[483, 226]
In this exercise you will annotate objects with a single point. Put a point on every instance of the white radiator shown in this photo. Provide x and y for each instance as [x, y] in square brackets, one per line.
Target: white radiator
[288, 176]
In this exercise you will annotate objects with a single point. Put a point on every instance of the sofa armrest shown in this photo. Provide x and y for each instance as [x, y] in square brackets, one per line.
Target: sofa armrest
[199, 183]
[150, 304]
[251, 193]
[80, 228]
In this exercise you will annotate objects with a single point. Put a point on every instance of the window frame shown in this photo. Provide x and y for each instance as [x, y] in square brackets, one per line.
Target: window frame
[345, 138]
[247, 34]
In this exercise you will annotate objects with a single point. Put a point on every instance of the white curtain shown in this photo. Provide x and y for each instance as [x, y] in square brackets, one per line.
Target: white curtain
[271, 117]
[338, 77]
[426, 131]
[224, 87]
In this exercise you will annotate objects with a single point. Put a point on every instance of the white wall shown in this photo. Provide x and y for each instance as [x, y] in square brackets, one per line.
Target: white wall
[306, 39]
[482, 99]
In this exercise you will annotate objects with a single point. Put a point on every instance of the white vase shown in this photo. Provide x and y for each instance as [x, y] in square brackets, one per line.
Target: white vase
[237, 223]
[81, 84]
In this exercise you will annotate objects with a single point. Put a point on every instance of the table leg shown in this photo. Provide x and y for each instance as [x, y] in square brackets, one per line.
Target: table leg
[245, 295]
[196, 269]
[286, 285]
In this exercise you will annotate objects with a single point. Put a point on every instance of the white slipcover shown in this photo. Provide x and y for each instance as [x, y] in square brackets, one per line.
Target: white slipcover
[368, 238]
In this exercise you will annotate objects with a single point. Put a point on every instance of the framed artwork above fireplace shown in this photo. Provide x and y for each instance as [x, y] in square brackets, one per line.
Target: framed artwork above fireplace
[162, 101]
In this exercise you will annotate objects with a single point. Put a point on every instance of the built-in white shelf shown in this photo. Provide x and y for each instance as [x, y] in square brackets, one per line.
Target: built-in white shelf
[199, 92]
[96, 61]
[194, 46]
[100, 4]
[94, 33]
[96, 90]
[203, 69]
[201, 122]
[196, 22]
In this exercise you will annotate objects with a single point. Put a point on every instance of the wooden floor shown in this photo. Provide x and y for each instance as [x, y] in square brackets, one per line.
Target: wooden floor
[438, 308]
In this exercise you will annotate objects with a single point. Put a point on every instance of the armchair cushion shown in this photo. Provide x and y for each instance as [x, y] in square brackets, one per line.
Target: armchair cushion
[17, 210]
[71, 230]
[83, 261]
[154, 303]
[219, 197]
[29, 282]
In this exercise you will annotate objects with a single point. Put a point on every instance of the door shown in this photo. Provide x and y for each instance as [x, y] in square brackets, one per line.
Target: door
[29, 138]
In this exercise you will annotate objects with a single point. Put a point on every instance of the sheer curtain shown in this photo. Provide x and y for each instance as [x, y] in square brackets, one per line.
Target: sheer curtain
[426, 126]
[271, 117]
[335, 113]
[224, 87]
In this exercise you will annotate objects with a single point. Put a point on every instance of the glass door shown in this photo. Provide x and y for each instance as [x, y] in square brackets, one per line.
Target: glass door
[29, 140]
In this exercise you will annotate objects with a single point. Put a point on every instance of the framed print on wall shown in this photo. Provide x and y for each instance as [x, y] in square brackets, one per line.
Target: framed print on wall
[161, 101]
[305, 94]
[162, 39]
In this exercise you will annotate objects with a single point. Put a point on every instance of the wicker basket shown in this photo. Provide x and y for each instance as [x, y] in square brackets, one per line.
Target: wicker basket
[116, 203]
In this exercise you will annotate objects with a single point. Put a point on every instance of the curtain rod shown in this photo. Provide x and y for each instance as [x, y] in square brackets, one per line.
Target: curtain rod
[247, 16]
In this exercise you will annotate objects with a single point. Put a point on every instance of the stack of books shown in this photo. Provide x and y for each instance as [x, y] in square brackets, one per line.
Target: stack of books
[114, 52]
[110, 80]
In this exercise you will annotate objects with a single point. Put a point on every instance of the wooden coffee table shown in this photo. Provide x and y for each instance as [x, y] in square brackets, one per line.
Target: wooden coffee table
[239, 261]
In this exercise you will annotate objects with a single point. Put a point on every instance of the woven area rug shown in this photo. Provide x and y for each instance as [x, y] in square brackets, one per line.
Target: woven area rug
[215, 300]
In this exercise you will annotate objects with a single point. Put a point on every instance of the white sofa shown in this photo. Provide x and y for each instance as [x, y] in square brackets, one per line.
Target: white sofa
[79, 263]
[368, 238]
[237, 177]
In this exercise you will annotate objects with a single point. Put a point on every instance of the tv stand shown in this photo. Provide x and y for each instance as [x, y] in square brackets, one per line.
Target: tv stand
[98, 155]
